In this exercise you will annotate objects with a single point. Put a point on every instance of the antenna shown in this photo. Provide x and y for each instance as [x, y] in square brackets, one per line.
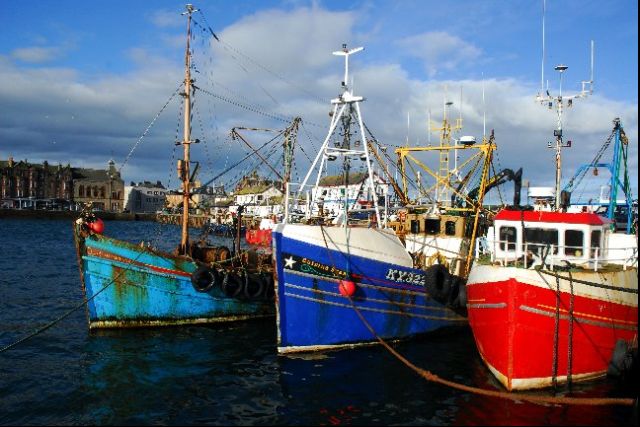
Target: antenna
[346, 53]
[484, 112]
[559, 101]
[544, 9]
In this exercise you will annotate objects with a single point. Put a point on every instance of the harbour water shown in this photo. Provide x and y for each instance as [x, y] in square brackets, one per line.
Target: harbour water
[226, 374]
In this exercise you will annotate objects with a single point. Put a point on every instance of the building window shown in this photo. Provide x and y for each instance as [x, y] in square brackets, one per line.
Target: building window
[81, 191]
[102, 192]
[542, 238]
[508, 237]
[573, 242]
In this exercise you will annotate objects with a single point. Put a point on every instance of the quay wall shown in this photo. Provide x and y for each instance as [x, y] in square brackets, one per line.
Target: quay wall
[45, 214]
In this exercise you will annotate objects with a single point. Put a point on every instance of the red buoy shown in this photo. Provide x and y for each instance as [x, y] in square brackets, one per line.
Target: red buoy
[347, 288]
[96, 226]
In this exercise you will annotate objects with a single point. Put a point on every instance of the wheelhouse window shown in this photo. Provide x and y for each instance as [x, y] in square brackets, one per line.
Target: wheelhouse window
[450, 228]
[573, 242]
[432, 226]
[507, 237]
[415, 226]
[595, 238]
[541, 238]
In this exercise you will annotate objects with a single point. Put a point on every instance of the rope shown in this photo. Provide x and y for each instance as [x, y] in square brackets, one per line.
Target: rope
[149, 127]
[570, 349]
[429, 376]
[554, 370]
[584, 282]
[65, 315]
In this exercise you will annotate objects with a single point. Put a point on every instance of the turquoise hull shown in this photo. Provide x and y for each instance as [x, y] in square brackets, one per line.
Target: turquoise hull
[128, 285]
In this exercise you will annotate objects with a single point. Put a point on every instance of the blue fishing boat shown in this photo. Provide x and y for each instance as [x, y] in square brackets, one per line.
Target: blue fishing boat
[345, 282]
[129, 285]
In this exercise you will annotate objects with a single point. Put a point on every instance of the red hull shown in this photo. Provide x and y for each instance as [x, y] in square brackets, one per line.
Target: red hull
[514, 326]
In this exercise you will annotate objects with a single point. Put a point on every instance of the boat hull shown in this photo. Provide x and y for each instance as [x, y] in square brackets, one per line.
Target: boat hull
[312, 314]
[524, 332]
[128, 285]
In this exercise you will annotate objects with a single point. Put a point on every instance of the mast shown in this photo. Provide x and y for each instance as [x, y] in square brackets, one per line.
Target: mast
[183, 165]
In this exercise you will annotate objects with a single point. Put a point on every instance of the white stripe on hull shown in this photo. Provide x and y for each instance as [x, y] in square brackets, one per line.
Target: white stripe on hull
[628, 279]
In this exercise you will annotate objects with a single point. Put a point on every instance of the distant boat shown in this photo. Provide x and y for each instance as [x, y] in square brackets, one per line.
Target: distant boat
[128, 285]
[344, 282]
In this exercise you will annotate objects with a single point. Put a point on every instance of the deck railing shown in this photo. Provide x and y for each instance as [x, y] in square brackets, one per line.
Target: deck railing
[534, 254]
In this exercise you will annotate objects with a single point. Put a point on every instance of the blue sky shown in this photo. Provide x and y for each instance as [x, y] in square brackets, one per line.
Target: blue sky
[81, 81]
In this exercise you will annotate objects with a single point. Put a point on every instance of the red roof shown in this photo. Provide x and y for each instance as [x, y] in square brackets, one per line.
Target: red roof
[587, 218]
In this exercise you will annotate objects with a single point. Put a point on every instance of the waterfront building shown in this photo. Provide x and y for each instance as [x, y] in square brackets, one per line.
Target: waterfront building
[331, 192]
[144, 196]
[105, 188]
[25, 185]
[259, 200]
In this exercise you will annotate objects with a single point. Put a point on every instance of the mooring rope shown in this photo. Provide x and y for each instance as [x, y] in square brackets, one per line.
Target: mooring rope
[429, 376]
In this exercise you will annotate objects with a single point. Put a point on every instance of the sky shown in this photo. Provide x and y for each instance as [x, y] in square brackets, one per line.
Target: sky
[86, 82]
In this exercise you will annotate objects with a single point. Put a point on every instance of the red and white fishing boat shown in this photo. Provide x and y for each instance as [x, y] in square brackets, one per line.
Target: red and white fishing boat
[538, 321]
[556, 292]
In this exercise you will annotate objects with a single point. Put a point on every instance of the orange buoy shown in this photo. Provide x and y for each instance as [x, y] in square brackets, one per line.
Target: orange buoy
[347, 288]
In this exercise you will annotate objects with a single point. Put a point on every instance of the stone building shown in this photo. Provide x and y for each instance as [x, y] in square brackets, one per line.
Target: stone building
[25, 185]
[105, 188]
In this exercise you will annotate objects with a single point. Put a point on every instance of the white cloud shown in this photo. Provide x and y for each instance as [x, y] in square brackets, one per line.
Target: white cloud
[36, 54]
[439, 50]
[279, 63]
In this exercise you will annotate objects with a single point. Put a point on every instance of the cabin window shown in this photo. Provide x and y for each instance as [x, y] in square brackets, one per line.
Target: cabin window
[573, 242]
[595, 242]
[450, 228]
[415, 226]
[541, 238]
[508, 236]
[432, 226]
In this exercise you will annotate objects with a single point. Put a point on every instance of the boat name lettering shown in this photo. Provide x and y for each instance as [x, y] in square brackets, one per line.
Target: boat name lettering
[405, 277]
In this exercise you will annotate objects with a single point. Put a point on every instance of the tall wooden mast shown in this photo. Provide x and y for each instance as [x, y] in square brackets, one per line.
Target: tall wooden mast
[183, 165]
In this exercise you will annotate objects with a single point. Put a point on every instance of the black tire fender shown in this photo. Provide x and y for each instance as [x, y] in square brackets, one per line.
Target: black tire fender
[204, 279]
[254, 287]
[438, 282]
[232, 284]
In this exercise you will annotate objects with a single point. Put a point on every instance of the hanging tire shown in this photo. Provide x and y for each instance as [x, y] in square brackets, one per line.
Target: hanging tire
[438, 282]
[204, 279]
[269, 291]
[232, 285]
[254, 286]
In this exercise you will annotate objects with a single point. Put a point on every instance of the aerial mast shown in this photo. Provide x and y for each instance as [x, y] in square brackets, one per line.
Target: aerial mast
[545, 98]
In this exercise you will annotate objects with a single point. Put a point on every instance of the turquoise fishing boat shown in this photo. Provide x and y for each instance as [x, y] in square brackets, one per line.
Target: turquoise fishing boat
[129, 285]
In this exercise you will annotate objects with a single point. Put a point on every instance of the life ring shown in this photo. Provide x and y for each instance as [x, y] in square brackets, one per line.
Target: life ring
[204, 279]
[402, 215]
[254, 286]
[232, 285]
[438, 282]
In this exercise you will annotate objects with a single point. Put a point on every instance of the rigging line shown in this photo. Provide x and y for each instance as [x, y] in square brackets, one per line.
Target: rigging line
[265, 68]
[246, 107]
[236, 164]
[149, 127]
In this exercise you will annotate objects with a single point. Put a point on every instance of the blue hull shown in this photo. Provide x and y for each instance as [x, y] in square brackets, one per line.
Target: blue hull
[130, 286]
[313, 315]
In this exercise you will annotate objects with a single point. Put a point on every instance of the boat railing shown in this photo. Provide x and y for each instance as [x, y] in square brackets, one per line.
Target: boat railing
[536, 254]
